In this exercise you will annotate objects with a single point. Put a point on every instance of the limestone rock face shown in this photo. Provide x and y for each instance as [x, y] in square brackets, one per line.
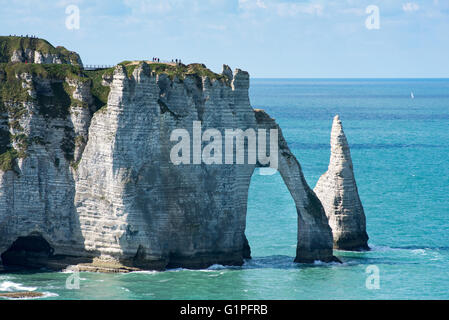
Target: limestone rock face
[143, 210]
[35, 56]
[337, 191]
[103, 186]
[37, 193]
[139, 207]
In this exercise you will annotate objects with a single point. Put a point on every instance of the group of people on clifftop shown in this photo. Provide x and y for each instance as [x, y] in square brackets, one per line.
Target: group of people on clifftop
[27, 36]
[177, 61]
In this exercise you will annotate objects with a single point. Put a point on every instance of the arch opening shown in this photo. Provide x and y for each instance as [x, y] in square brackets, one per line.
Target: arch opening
[31, 251]
[271, 221]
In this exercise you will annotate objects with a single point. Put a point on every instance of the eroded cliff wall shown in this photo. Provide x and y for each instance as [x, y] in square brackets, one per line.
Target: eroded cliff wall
[98, 182]
[43, 132]
[138, 204]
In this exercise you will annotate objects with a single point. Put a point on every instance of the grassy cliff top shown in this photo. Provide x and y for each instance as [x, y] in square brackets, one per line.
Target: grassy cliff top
[16, 89]
[9, 44]
[11, 88]
[181, 71]
[46, 71]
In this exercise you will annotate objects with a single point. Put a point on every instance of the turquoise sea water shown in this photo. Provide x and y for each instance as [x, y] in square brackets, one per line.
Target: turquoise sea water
[400, 151]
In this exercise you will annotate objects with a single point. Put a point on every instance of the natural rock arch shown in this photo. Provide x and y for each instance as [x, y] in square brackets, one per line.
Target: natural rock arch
[314, 233]
[190, 215]
[125, 201]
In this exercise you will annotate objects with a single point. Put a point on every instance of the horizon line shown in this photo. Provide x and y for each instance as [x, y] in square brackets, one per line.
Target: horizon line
[353, 78]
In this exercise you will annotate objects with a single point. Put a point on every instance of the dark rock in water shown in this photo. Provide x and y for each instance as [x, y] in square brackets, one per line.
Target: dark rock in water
[21, 295]
[246, 249]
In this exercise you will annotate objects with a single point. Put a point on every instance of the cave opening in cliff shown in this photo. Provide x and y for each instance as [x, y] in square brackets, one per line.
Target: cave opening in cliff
[31, 251]
[271, 222]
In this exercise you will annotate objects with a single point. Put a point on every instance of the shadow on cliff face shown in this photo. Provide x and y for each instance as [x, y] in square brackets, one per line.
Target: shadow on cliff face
[32, 251]
[42, 187]
[188, 216]
[35, 252]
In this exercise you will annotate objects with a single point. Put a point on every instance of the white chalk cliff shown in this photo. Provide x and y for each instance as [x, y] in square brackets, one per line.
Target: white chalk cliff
[337, 191]
[79, 182]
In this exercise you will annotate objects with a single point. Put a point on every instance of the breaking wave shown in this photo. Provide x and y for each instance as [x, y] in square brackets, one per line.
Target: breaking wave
[10, 286]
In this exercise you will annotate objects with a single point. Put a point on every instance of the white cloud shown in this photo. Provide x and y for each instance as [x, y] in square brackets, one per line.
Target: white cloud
[218, 27]
[152, 6]
[261, 4]
[353, 11]
[282, 8]
[293, 9]
[252, 4]
[183, 8]
[410, 7]
[65, 3]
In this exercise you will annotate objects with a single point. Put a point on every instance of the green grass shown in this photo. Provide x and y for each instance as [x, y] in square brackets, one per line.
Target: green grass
[99, 92]
[73, 102]
[8, 159]
[75, 164]
[10, 44]
[45, 71]
[130, 69]
[11, 89]
[21, 140]
[79, 140]
[58, 104]
[180, 71]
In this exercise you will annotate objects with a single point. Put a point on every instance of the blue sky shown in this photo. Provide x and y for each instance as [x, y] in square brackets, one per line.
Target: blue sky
[268, 38]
